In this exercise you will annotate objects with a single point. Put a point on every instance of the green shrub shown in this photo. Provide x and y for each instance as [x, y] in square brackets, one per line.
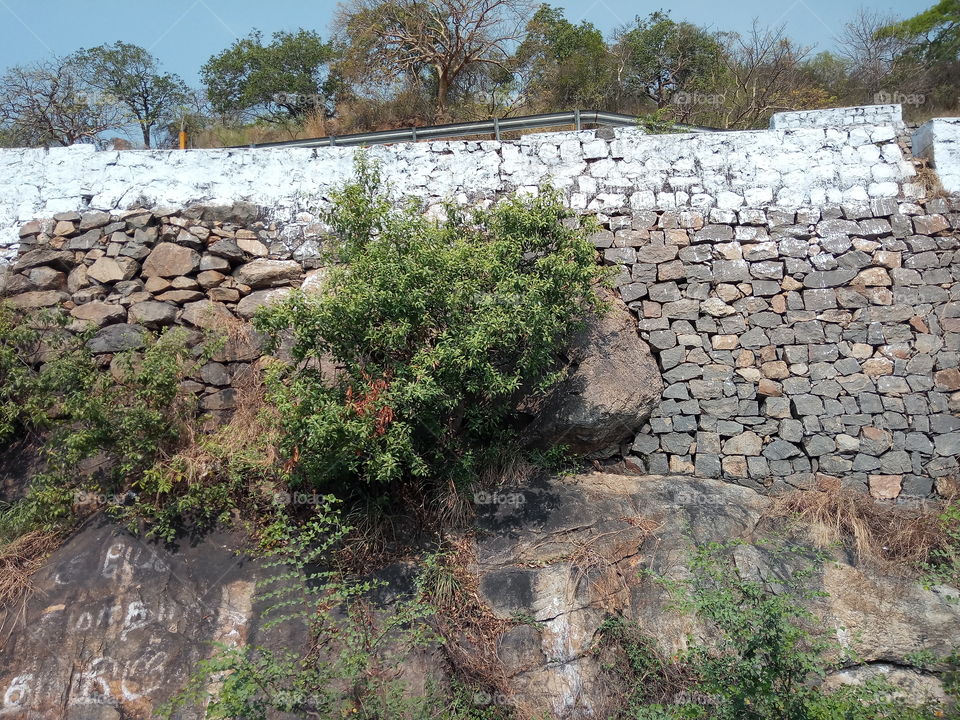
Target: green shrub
[27, 386]
[109, 426]
[763, 661]
[943, 564]
[437, 327]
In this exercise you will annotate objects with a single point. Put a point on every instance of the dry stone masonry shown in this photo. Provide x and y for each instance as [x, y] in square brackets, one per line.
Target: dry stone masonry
[796, 343]
[802, 300]
[598, 170]
[135, 271]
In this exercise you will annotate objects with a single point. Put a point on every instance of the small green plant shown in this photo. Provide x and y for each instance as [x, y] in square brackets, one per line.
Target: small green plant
[436, 326]
[657, 122]
[354, 650]
[111, 426]
[943, 564]
[28, 385]
[557, 459]
[764, 658]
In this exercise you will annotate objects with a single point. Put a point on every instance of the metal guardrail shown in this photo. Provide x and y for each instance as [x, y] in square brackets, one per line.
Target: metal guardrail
[496, 126]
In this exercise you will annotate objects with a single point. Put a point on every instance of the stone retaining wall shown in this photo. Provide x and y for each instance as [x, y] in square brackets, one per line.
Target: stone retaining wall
[135, 271]
[796, 343]
[939, 142]
[603, 170]
[840, 117]
[792, 343]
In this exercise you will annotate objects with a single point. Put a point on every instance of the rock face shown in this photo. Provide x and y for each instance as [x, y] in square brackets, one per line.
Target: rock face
[118, 625]
[568, 555]
[611, 386]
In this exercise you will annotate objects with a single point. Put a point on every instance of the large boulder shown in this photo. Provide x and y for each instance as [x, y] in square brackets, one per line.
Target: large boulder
[118, 625]
[611, 386]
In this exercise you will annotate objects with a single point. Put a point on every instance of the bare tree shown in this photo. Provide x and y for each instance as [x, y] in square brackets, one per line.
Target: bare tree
[49, 103]
[870, 54]
[763, 73]
[429, 42]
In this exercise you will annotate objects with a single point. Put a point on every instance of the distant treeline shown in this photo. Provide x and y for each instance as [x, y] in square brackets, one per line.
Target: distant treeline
[396, 63]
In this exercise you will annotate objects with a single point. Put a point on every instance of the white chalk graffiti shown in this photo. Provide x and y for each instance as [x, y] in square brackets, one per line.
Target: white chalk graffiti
[122, 556]
[18, 692]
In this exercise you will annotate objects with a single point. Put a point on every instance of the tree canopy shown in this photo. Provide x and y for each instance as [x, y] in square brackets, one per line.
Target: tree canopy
[130, 77]
[287, 78]
[430, 44]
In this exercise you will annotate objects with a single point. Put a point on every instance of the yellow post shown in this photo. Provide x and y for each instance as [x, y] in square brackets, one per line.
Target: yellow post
[183, 140]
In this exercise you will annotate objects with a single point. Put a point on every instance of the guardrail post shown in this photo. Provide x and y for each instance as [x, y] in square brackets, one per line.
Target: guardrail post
[496, 129]
[413, 133]
[576, 120]
[333, 140]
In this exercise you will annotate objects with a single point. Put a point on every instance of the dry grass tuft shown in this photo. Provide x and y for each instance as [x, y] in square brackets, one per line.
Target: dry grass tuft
[471, 630]
[928, 179]
[895, 537]
[19, 559]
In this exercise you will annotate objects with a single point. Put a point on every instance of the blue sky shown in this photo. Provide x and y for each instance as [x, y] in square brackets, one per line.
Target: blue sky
[185, 33]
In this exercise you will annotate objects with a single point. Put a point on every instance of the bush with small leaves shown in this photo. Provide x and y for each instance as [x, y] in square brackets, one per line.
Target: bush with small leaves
[436, 328]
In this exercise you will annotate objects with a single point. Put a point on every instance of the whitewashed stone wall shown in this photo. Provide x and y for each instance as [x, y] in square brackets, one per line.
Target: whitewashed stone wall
[602, 170]
[939, 141]
[839, 117]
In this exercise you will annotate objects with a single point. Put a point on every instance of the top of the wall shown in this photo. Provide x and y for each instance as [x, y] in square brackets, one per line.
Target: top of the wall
[604, 171]
[839, 117]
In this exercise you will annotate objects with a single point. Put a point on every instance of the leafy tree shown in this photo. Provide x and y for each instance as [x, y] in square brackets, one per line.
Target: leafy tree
[563, 65]
[51, 103]
[287, 78]
[869, 55]
[934, 33]
[427, 43]
[660, 57]
[130, 76]
[437, 328]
